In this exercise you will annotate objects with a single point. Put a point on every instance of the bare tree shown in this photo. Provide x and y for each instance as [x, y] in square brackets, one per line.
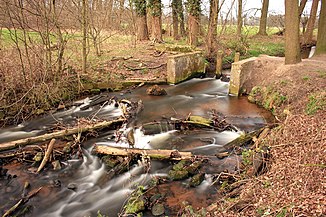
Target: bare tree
[307, 37]
[155, 7]
[292, 43]
[142, 31]
[175, 18]
[263, 18]
[193, 21]
[211, 42]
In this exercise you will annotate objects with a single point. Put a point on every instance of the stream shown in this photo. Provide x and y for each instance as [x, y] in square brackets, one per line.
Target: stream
[83, 187]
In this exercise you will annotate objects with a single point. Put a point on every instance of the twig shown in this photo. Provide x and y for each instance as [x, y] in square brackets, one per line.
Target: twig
[46, 156]
[20, 202]
[142, 68]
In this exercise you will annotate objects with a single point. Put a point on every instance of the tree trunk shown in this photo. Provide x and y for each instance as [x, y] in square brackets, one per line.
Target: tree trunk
[156, 13]
[307, 37]
[263, 18]
[301, 7]
[84, 27]
[181, 19]
[175, 20]
[193, 27]
[292, 43]
[239, 19]
[211, 45]
[142, 30]
[321, 37]
[153, 154]
[193, 21]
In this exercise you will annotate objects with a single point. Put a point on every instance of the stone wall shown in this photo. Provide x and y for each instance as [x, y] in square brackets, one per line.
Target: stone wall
[184, 66]
[245, 73]
[240, 72]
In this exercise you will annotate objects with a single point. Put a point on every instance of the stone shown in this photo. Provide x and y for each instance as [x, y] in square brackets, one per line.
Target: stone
[158, 209]
[178, 174]
[197, 179]
[184, 66]
[72, 186]
[180, 165]
[222, 155]
[156, 90]
[56, 165]
[194, 167]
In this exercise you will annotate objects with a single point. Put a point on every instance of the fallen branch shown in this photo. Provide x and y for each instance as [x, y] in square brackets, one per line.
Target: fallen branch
[58, 134]
[157, 154]
[21, 202]
[142, 68]
[243, 140]
[261, 136]
[46, 156]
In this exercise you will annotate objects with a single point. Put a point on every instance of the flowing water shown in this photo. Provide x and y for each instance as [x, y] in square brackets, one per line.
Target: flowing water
[83, 187]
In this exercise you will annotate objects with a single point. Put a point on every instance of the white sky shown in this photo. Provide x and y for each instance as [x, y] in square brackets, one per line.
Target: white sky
[275, 6]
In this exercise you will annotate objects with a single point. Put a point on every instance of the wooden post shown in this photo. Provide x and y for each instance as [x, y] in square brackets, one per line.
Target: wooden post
[237, 57]
[219, 63]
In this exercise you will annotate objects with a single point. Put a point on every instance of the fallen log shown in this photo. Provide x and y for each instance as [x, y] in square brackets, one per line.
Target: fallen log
[158, 154]
[243, 140]
[58, 134]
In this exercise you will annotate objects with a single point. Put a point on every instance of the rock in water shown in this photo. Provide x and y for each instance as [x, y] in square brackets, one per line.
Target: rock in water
[197, 180]
[158, 209]
[156, 90]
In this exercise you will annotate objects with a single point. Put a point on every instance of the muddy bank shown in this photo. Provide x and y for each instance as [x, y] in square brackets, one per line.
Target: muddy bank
[293, 183]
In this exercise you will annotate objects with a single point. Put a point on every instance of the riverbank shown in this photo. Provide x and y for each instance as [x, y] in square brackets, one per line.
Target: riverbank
[295, 182]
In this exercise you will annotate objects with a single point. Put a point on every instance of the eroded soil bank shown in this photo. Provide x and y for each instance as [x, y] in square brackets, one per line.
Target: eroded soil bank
[295, 182]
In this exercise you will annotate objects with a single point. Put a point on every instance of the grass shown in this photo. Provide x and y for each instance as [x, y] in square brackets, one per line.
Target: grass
[316, 102]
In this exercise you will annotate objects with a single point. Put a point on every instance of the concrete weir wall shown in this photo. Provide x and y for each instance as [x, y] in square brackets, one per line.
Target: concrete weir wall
[240, 72]
[183, 66]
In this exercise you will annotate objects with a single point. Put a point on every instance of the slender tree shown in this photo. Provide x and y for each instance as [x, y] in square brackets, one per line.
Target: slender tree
[263, 18]
[142, 31]
[239, 18]
[181, 18]
[292, 43]
[321, 37]
[193, 21]
[156, 19]
[84, 29]
[302, 6]
[307, 37]
[175, 20]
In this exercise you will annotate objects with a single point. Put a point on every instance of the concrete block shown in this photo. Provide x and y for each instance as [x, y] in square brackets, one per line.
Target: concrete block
[184, 66]
[240, 72]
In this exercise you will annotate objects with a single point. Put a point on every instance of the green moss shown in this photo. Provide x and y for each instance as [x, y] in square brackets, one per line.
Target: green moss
[180, 165]
[247, 157]
[136, 202]
[178, 174]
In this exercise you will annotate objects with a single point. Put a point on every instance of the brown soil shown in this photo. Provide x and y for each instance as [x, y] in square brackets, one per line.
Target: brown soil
[295, 184]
